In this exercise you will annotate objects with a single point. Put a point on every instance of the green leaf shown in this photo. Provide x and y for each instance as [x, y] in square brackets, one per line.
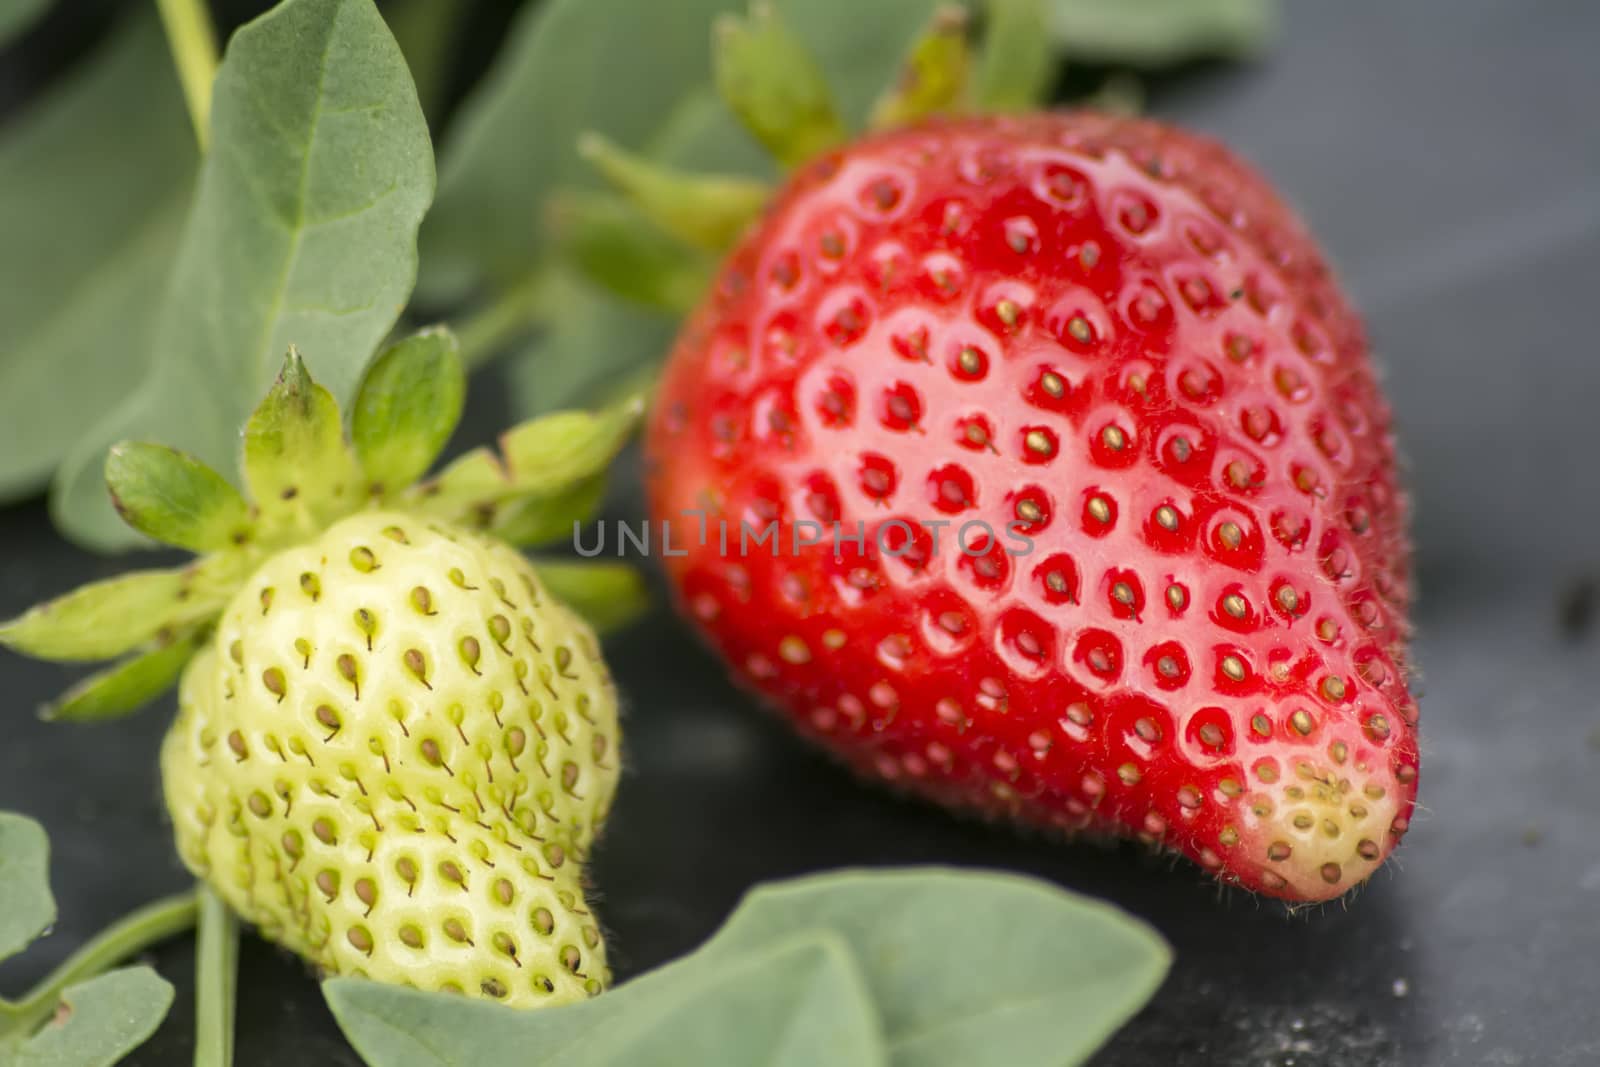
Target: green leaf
[302, 232]
[538, 520]
[934, 80]
[129, 685]
[796, 1003]
[542, 457]
[608, 595]
[959, 968]
[407, 408]
[1016, 64]
[79, 1015]
[1057, 974]
[299, 470]
[100, 1021]
[174, 498]
[1154, 33]
[93, 182]
[607, 240]
[707, 211]
[108, 618]
[17, 16]
[26, 904]
[768, 78]
[509, 147]
[596, 339]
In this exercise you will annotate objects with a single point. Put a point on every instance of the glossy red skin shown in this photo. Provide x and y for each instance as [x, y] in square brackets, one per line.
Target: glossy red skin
[1211, 317]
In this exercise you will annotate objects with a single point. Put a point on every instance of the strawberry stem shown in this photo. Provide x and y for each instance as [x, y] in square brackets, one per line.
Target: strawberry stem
[216, 976]
[194, 52]
[508, 316]
[127, 937]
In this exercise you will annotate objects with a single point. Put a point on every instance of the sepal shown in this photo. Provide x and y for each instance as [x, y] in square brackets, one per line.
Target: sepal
[538, 459]
[130, 684]
[615, 247]
[770, 80]
[540, 520]
[707, 211]
[106, 619]
[299, 470]
[1016, 67]
[406, 409]
[935, 76]
[174, 498]
[607, 595]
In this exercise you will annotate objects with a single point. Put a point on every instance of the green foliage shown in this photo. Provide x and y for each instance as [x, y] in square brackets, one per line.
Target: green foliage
[934, 80]
[1015, 68]
[18, 16]
[546, 457]
[770, 81]
[407, 408]
[639, 74]
[304, 476]
[609, 596]
[609, 242]
[427, 32]
[1060, 973]
[704, 211]
[99, 1021]
[130, 684]
[593, 340]
[300, 472]
[94, 177]
[174, 498]
[302, 232]
[539, 520]
[911, 968]
[107, 618]
[1154, 33]
[83, 1015]
[796, 1003]
[509, 147]
[26, 904]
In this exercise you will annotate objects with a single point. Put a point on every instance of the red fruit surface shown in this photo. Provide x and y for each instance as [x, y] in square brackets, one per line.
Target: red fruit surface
[1115, 334]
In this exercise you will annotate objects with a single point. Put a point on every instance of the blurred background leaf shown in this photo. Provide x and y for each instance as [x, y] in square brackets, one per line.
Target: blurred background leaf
[94, 178]
[640, 73]
[1158, 33]
[595, 338]
[428, 33]
[16, 16]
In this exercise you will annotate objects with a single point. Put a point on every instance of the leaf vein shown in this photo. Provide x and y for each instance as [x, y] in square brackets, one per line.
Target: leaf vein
[328, 220]
[264, 355]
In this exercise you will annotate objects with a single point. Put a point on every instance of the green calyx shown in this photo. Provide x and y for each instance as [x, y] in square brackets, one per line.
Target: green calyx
[649, 246]
[303, 470]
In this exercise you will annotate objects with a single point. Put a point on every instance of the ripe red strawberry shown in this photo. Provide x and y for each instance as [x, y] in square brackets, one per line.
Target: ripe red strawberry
[1113, 335]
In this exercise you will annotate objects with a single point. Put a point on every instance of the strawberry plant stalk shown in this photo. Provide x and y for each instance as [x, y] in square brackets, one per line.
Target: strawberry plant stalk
[194, 51]
[216, 979]
[135, 932]
[509, 315]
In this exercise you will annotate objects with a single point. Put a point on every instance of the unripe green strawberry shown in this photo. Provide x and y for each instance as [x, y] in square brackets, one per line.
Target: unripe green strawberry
[394, 756]
[396, 741]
